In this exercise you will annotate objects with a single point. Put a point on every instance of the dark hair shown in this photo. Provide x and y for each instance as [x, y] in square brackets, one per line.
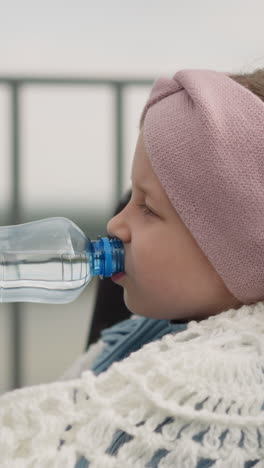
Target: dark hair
[253, 81]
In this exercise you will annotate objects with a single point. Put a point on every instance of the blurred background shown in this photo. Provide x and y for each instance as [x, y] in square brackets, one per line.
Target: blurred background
[74, 76]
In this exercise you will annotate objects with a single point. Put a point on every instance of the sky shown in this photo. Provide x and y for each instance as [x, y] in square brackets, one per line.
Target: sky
[128, 38]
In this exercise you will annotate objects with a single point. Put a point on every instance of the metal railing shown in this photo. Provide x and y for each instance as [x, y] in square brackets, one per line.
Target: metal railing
[15, 85]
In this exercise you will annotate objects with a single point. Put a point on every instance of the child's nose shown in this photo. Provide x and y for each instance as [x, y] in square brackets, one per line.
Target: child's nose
[118, 227]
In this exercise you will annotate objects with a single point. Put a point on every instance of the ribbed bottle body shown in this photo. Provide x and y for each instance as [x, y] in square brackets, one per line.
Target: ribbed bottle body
[50, 261]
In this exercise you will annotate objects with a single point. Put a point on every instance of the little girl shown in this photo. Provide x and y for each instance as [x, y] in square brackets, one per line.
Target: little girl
[181, 383]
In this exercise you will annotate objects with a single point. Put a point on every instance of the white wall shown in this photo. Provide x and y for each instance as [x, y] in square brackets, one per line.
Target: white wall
[68, 132]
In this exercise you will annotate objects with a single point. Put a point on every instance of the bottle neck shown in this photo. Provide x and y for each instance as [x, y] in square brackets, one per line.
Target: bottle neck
[106, 256]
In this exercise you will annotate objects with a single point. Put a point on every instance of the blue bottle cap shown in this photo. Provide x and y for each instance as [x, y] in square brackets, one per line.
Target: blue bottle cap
[106, 256]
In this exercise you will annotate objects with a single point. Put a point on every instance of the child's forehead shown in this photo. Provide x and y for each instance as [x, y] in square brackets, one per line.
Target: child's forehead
[142, 171]
[143, 176]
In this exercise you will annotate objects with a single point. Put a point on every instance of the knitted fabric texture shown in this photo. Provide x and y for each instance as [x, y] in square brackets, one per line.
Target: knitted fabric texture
[204, 135]
[192, 400]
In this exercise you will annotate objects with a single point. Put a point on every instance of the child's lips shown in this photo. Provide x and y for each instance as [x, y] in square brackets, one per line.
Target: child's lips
[118, 276]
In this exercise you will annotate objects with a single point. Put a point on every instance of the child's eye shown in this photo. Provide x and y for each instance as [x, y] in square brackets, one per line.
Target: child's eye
[146, 210]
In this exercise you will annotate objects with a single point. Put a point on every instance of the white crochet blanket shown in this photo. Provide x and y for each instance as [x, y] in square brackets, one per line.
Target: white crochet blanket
[208, 379]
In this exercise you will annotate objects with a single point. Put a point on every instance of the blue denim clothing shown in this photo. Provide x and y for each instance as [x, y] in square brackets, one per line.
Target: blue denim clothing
[130, 335]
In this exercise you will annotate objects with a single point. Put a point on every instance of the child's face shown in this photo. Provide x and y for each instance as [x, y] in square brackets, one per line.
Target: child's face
[167, 274]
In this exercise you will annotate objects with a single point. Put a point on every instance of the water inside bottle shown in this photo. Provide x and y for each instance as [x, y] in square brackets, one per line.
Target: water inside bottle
[43, 276]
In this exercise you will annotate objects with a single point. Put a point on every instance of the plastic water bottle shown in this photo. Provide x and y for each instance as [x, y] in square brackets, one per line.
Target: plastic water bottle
[52, 261]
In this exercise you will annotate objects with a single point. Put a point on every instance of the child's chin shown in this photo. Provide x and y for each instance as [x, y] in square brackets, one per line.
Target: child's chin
[139, 310]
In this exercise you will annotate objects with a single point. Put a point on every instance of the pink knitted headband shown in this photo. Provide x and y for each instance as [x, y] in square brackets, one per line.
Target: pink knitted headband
[204, 134]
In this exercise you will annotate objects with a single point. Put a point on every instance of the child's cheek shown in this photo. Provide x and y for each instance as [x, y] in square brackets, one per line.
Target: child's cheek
[146, 264]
